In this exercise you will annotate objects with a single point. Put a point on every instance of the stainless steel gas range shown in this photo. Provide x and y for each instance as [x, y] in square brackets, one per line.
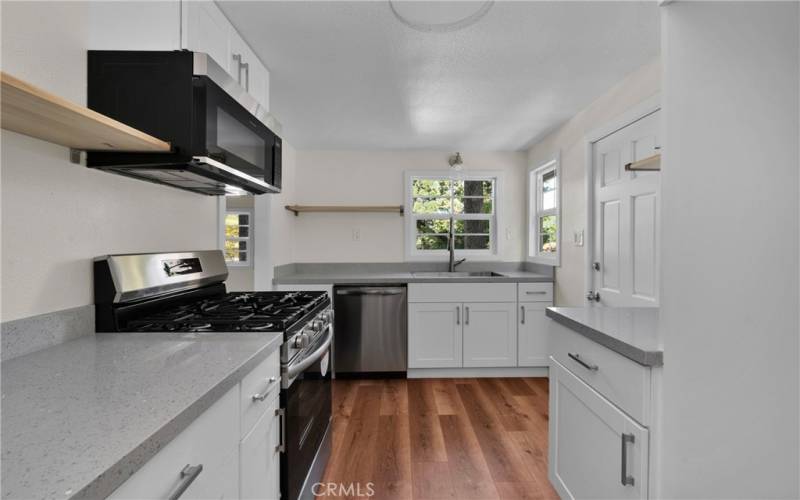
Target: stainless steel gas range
[185, 292]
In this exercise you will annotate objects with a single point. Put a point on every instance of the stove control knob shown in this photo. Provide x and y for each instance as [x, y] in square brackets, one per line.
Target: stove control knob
[317, 325]
[301, 341]
[326, 316]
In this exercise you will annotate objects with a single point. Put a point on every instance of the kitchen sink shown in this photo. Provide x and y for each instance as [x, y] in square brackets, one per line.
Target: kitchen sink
[456, 274]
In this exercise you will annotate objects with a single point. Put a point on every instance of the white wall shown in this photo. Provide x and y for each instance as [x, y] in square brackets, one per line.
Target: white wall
[377, 178]
[275, 226]
[57, 216]
[729, 308]
[570, 139]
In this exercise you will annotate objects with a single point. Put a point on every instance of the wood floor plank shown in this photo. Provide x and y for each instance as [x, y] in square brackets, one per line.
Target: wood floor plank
[510, 415]
[517, 386]
[468, 469]
[519, 491]
[392, 478]
[432, 481]
[394, 400]
[427, 443]
[534, 457]
[500, 455]
[446, 397]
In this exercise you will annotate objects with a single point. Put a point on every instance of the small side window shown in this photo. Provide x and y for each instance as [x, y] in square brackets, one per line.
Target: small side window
[238, 238]
[544, 220]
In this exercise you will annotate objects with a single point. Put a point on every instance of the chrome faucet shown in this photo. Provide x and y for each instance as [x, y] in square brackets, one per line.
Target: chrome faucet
[451, 247]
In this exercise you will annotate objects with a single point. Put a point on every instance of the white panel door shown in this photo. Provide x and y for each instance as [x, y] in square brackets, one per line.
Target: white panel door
[532, 338]
[206, 29]
[434, 335]
[626, 217]
[490, 334]
[260, 460]
[596, 451]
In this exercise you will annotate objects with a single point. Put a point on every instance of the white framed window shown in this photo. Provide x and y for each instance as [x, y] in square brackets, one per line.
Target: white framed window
[238, 247]
[469, 199]
[544, 212]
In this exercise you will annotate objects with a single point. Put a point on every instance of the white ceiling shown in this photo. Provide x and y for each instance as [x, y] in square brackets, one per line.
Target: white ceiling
[349, 75]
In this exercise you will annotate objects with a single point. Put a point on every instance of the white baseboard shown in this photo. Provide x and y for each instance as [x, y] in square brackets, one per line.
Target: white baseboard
[538, 371]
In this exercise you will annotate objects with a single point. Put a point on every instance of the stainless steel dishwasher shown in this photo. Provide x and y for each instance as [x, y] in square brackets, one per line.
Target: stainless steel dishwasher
[370, 330]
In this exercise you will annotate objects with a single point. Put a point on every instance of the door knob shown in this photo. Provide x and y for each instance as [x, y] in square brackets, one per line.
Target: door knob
[596, 266]
[593, 296]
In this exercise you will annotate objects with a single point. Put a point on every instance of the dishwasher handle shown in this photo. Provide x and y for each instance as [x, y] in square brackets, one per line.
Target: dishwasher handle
[371, 291]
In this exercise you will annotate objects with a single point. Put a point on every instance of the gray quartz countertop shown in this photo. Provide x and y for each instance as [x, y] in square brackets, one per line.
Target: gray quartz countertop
[81, 417]
[377, 277]
[630, 331]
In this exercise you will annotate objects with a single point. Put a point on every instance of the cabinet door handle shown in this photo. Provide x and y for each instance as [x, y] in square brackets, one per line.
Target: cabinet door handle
[458, 315]
[540, 292]
[625, 478]
[238, 59]
[577, 359]
[246, 68]
[466, 315]
[261, 396]
[522, 314]
[188, 475]
[281, 413]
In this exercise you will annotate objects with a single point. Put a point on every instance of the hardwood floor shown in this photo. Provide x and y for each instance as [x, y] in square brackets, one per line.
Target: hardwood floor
[439, 439]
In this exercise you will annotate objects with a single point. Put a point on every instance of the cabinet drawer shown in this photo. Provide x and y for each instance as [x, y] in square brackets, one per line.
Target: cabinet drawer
[535, 292]
[462, 292]
[210, 440]
[620, 380]
[259, 388]
[260, 458]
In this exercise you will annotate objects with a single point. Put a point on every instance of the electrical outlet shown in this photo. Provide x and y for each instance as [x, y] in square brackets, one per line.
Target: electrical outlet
[508, 233]
[577, 238]
[356, 234]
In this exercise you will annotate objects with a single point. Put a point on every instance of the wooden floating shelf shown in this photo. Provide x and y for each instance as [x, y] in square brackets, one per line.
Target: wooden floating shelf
[649, 164]
[35, 112]
[297, 209]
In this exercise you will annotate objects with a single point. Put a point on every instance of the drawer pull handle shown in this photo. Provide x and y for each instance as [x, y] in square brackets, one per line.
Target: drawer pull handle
[577, 359]
[541, 292]
[281, 414]
[458, 315]
[626, 479]
[188, 475]
[522, 313]
[466, 315]
[263, 395]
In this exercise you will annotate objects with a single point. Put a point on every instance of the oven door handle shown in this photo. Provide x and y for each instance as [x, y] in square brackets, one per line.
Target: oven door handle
[294, 370]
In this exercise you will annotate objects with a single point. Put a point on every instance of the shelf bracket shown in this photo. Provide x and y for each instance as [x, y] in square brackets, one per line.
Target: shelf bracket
[75, 156]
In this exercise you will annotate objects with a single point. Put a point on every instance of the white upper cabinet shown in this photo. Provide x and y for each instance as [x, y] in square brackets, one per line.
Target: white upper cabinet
[247, 69]
[199, 26]
[206, 29]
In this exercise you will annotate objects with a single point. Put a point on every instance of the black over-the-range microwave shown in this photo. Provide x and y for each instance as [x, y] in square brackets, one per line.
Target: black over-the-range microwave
[220, 144]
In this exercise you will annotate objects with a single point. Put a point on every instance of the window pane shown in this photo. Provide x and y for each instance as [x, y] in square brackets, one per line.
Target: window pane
[548, 226]
[479, 188]
[472, 242]
[431, 187]
[244, 231]
[430, 242]
[473, 226]
[242, 245]
[231, 255]
[431, 206]
[549, 190]
[244, 219]
[231, 245]
[472, 205]
[441, 226]
[242, 256]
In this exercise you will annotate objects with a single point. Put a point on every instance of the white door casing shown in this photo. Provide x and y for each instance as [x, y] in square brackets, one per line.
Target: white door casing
[626, 216]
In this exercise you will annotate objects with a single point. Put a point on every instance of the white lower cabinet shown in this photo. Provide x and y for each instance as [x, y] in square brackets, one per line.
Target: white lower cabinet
[434, 335]
[533, 328]
[260, 458]
[232, 466]
[211, 441]
[490, 334]
[596, 450]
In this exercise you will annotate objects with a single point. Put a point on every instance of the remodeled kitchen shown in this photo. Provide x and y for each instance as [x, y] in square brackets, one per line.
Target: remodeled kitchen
[399, 249]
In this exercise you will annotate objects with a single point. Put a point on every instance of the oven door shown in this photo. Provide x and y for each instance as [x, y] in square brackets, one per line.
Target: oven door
[306, 400]
[233, 136]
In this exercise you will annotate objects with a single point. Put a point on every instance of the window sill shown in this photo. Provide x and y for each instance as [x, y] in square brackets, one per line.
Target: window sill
[547, 261]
